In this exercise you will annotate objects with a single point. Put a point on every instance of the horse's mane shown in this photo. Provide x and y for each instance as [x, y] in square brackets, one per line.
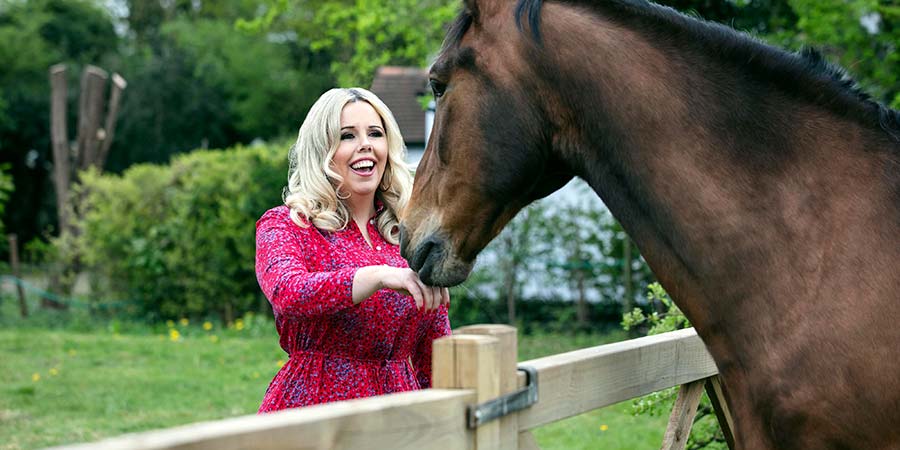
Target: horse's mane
[806, 72]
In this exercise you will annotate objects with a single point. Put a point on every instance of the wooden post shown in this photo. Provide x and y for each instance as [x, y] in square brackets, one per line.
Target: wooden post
[470, 362]
[682, 416]
[510, 438]
[59, 136]
[93, 82]
[109, 128]
[14, 264]
[717, 397]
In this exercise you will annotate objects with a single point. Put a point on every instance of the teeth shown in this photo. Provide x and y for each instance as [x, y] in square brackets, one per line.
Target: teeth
[363, 165]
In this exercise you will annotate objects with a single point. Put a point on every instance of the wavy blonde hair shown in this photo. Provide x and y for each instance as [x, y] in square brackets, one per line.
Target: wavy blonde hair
[313, 186]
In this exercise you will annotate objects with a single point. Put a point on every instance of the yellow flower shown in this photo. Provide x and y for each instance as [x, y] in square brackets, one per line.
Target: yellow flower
[35, 377]
[207, 326]
[239, 324]
[54, 371]
[184, 322]
[214, 339]
[604, 427]
[174, 335]
[280, 363]
[170, 324]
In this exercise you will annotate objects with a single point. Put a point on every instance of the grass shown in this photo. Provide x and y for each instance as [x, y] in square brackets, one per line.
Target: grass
[61, 385]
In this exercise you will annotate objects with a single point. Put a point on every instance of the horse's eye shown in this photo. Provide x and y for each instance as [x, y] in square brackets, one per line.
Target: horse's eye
[437, 87]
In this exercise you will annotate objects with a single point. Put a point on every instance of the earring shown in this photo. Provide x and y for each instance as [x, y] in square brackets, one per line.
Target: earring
[387, 175]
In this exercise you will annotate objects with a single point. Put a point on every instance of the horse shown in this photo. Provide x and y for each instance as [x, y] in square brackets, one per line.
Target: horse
[761, 186]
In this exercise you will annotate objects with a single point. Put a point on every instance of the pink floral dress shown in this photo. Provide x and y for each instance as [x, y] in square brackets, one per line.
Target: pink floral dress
[339, 350]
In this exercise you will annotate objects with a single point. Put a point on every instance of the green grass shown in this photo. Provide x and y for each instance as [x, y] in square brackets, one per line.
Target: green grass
[70, 385]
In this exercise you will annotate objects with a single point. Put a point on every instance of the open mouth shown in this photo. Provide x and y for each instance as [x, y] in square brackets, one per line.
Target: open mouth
[363, 167]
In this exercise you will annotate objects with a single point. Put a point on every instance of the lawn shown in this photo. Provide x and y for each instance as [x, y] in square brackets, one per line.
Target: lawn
[67, 385]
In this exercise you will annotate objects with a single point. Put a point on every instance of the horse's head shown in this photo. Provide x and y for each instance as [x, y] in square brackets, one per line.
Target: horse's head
[490, 150]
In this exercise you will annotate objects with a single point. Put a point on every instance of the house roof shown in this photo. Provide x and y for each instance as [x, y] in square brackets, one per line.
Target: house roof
[399, 88]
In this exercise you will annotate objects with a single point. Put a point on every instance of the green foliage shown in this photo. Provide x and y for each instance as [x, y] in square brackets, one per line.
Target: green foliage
[6, 187]
[179, 239]
[666, 317]
[362, 35]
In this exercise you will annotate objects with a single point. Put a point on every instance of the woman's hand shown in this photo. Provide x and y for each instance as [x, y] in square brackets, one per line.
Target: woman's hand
[403, 280]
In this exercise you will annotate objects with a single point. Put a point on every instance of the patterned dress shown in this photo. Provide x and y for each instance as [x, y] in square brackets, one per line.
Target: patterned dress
[339, 350]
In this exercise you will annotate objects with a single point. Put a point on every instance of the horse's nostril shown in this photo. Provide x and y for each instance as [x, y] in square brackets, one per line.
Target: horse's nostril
[404, 242]
[421, 253]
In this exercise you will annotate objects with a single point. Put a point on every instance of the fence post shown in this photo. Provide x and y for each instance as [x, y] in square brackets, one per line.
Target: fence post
[14, 265]
[510, 438]
[470, 362]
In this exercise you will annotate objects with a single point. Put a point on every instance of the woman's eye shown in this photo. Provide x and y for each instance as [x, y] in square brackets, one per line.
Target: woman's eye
[346, 136]
[376, 134]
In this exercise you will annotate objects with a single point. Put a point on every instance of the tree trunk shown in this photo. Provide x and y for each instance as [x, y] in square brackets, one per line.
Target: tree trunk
[582, 311]
[509, 280]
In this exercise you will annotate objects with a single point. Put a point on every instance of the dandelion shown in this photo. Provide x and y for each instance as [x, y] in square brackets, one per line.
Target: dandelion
[207, 326]
[36, 377]
[239, 324]
[170, 324]
[213, 339]
[184, 322]
[54, 372]
[604, 427]
[174, 335]
[280, 363]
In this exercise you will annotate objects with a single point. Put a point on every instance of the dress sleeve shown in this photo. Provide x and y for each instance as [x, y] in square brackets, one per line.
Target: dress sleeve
[436, 324]
[282, 273]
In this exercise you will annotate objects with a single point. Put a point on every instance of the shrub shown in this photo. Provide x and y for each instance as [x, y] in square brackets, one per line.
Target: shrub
[178, 240]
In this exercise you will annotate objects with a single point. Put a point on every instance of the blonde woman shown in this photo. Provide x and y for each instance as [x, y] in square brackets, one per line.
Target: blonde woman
[355, 320]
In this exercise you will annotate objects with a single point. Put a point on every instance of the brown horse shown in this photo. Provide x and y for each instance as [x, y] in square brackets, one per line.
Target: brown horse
[761, 186]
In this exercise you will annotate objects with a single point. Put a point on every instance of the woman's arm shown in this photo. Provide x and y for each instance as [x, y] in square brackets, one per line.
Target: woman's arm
[293, 290]
[285, 279]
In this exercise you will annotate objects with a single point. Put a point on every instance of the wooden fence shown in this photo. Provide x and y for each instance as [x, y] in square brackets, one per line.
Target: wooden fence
[475, 365]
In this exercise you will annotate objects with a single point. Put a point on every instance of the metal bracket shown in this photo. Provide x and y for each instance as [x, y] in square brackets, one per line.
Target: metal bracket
[506, 404]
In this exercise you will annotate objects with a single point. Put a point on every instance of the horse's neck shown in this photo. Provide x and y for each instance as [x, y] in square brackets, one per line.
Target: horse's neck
[728, 187]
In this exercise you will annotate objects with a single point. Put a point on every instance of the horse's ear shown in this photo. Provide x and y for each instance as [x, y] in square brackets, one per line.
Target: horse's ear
[484, 8]
[472, 8]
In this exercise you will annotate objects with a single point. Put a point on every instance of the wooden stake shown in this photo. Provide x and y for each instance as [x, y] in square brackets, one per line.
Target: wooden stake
[93, 82]
[682, 417]
[14, 264]
[109, 128]
[717, 397]
[62, 165]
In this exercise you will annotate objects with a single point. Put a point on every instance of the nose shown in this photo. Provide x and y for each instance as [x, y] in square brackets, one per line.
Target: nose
[425, 258]
[404, 243]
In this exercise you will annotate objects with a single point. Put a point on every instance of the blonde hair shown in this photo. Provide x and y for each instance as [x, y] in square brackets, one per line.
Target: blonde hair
[313, 186]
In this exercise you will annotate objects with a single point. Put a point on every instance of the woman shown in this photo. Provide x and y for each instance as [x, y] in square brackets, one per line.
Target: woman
[355, 320]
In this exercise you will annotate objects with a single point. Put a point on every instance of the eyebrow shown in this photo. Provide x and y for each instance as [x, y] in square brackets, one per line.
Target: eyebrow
[378, 127]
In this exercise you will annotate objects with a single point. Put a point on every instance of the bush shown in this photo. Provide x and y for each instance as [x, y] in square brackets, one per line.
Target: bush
[705, 433]
[178, 240]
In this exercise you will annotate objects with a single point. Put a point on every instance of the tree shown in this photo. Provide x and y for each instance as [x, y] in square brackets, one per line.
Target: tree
[363, 35]
[34, 35]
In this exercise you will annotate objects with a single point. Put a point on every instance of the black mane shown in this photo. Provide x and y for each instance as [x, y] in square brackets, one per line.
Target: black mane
[805, 71]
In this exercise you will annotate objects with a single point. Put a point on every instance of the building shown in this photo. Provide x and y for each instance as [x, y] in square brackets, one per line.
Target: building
[401, 89]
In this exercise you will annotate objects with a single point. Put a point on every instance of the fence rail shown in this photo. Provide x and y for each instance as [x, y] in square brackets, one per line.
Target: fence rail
[477, 368]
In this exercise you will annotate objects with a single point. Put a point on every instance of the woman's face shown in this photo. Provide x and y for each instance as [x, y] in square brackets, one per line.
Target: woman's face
[362, 153]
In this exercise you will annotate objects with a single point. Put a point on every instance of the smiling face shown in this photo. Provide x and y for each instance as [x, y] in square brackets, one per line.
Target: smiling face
[362, 153]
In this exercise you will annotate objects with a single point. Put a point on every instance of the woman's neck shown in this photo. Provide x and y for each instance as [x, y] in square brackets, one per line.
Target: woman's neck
[361, 207]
